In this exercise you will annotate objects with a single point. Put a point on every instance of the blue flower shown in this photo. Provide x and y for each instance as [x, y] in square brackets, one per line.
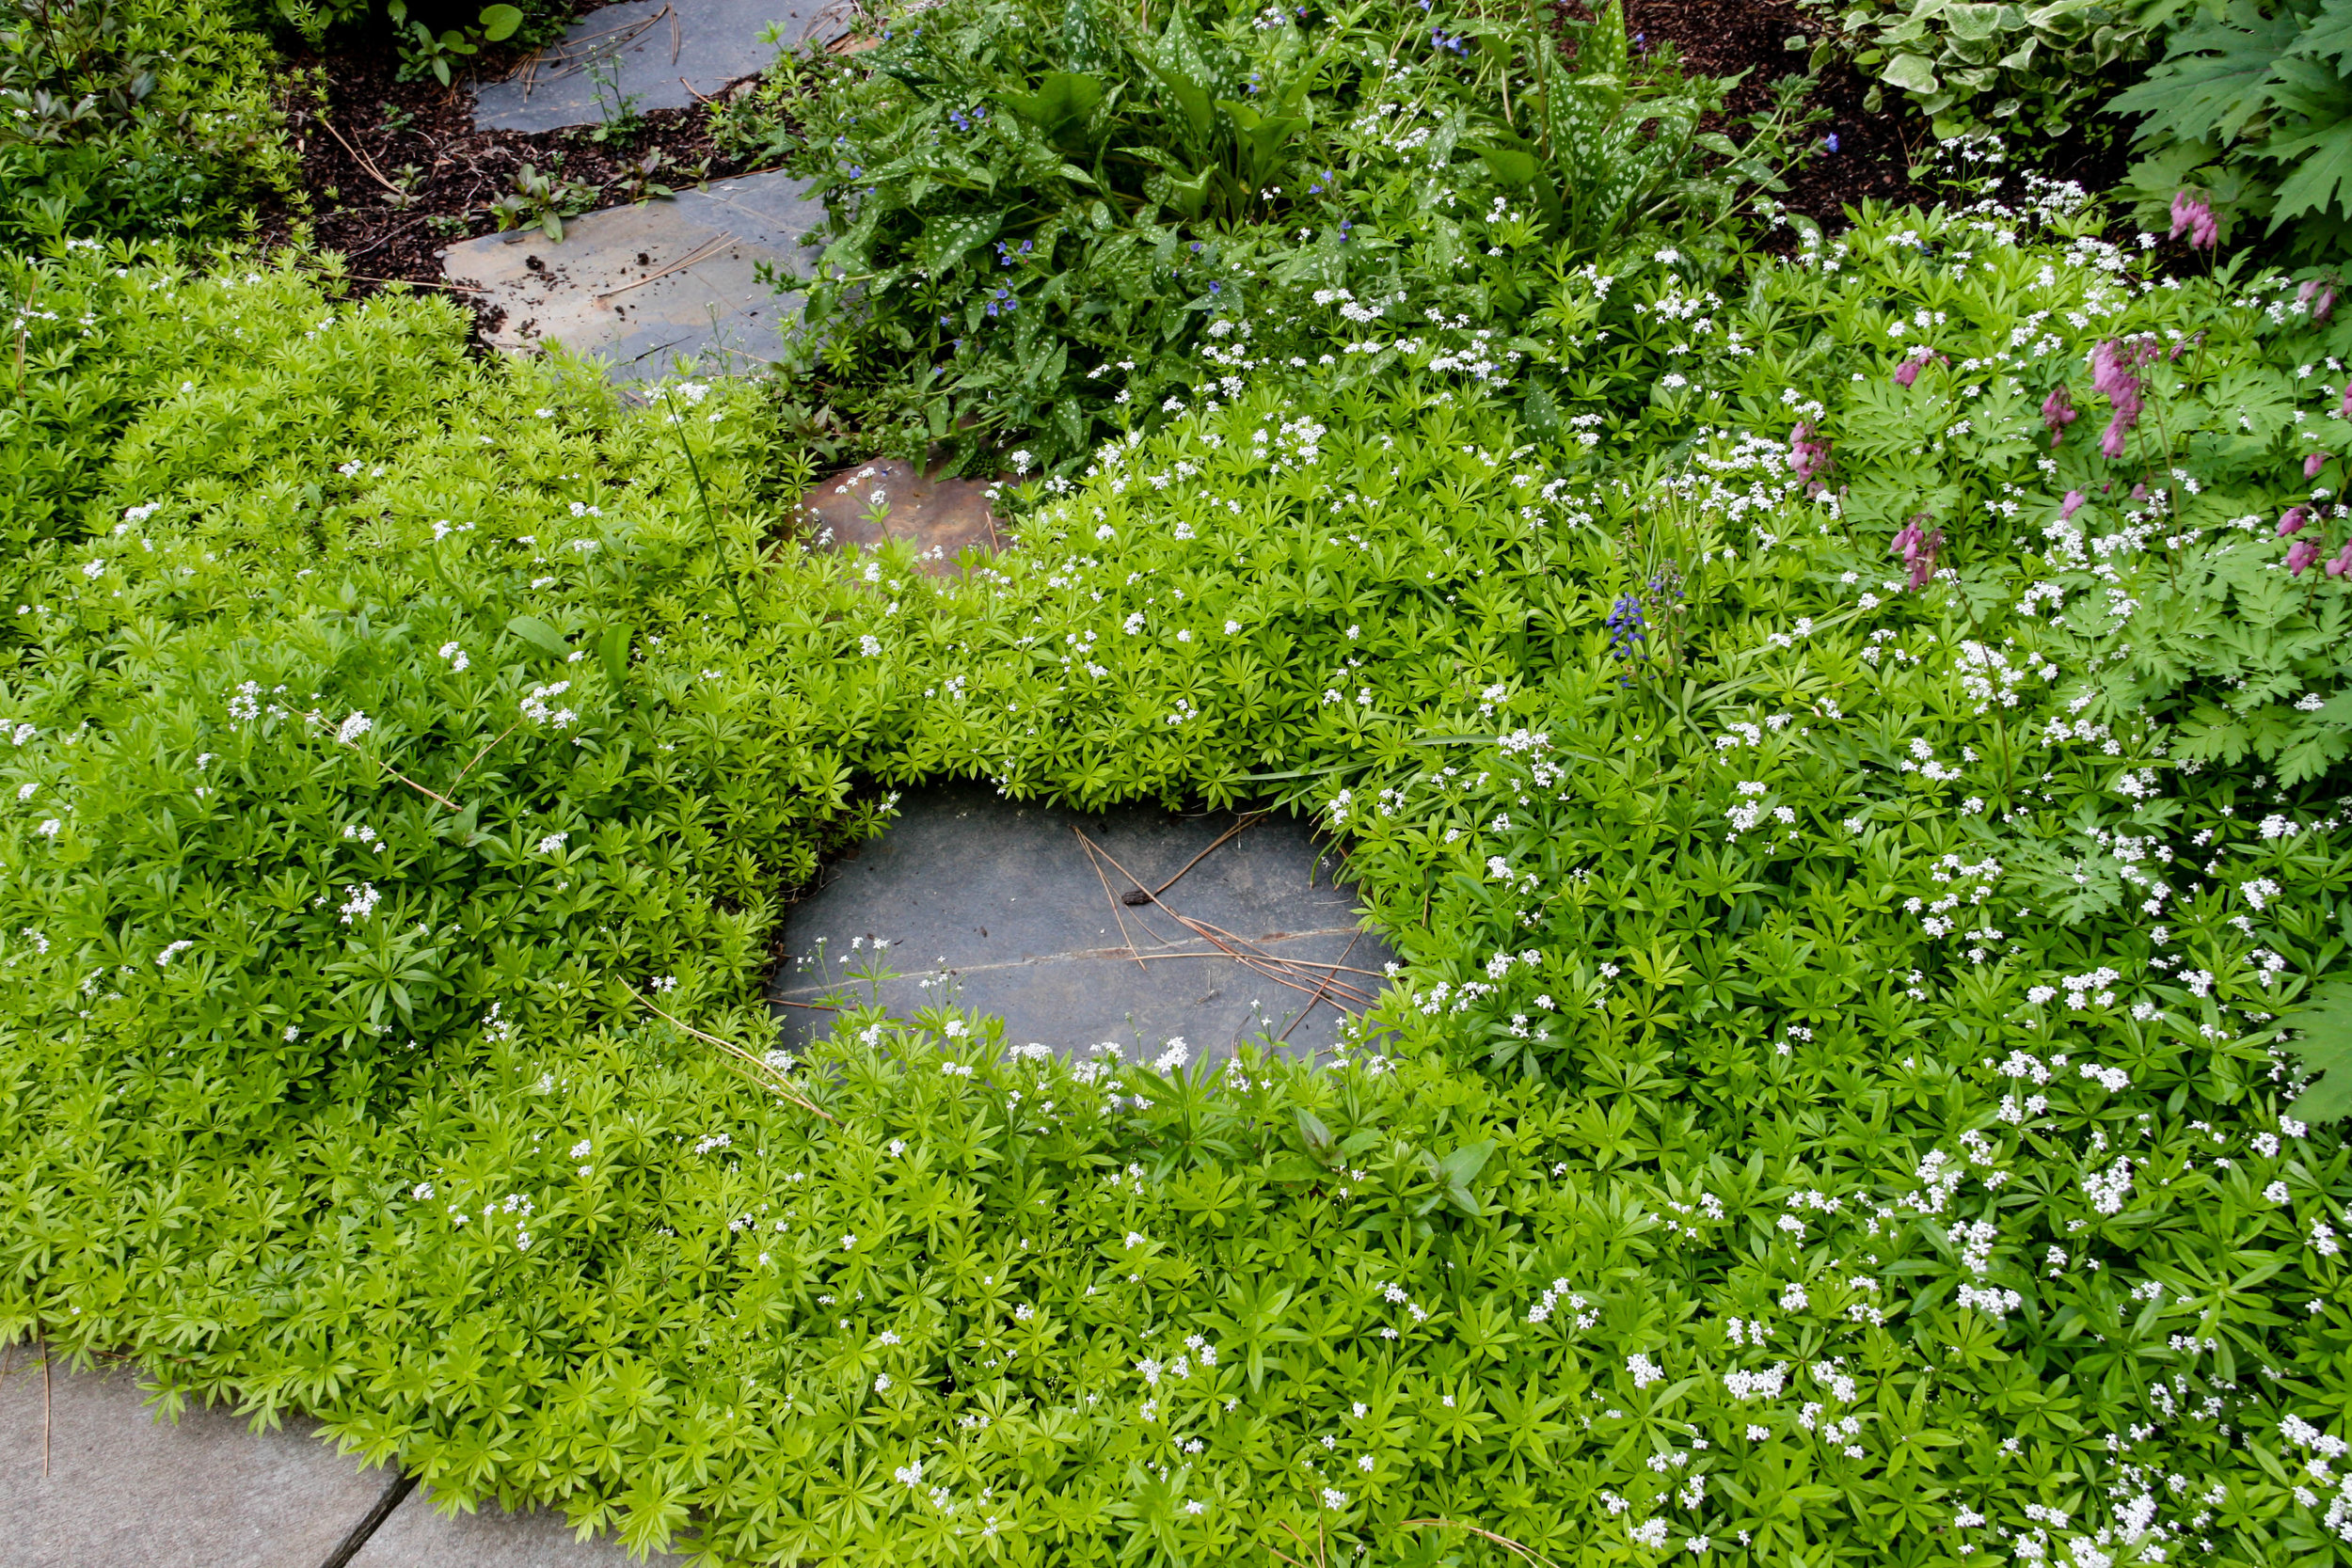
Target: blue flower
[1626, 633]
[1833, 141]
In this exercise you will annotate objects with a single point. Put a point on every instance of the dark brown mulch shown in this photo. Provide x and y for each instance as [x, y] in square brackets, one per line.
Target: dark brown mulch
[1875, 152]
[374, 132]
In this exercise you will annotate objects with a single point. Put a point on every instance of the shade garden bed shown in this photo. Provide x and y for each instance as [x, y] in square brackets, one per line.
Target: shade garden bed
[1839, 719]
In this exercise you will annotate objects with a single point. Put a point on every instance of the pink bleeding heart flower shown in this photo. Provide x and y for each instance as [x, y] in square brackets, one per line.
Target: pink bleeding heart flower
[2193, 216]
[2114, 370]
[1808, 454]
[2293, 522]
[2072, 504]
[2343, 562]
[1917, 547]
[2300, 555]
[1917, 360]
[2320, 296]
[2057, 412]
[2313, 463]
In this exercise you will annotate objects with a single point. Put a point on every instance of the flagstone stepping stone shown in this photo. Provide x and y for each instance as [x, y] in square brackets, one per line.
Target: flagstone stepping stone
[646, 287]
[664, 53]
[419, 1535]
[941, 517]
[125, 1490]
[1130, 929]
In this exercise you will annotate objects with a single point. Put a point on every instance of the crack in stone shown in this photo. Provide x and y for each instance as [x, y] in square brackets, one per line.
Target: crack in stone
[1083, 953]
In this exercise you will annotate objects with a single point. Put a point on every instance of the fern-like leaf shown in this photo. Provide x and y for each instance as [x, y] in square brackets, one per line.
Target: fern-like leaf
[2330, 36]
[2325, 1050]
[2216, 78]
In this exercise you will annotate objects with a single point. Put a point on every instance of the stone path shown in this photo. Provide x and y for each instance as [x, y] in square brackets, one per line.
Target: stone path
[675, 280]
[1003, 908]
[647, 287]
[123, 1490]
[664, 53]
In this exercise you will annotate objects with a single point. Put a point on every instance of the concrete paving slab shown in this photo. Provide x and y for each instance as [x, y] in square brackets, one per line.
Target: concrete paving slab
[126, 1491]
[943, 518]
[664, 53]
[1001, 906]
[419, 1535]
[645, 287]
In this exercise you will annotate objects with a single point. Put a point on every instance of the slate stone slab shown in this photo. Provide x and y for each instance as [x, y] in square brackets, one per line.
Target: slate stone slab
[943, 518]
[126, 1491]
[999, 906]
[645, 287]
[667, 53]
[418, 1535]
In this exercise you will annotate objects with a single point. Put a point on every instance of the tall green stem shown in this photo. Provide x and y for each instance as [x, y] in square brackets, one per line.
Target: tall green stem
[710, 518]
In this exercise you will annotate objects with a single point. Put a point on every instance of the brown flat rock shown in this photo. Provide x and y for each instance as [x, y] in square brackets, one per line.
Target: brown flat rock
[941, 517]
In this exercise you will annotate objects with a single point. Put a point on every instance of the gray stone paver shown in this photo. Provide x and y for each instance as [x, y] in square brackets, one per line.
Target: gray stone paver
[644, 287]
[419, 1535]
[126, 1491]
[999, 907]
[667, 53]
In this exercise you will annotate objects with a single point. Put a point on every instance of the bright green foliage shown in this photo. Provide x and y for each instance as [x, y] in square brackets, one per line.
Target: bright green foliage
[1833, 1104]
[2327, 1047]
[2040, 70]
[2253, 104]
[131, 117]
[1028, 195]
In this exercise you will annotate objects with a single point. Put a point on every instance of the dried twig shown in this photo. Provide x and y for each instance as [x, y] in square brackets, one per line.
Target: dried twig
[774, 1078]
[569, 56]
[1124, 934]
[1309, 1007]
[484, 752]
[1238, 948]
[375, 173]
[700, 253]
[1529, 1553]
[320, 725]
[1251, 820]
[414, 283]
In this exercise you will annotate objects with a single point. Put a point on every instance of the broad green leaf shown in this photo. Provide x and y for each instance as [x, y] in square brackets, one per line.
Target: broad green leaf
[540, 635]
[2325, 1051]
